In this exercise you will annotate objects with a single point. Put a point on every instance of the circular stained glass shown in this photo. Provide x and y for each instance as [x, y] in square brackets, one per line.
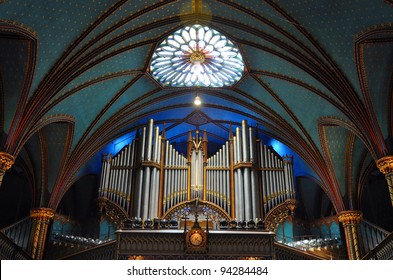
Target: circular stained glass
[197, 56]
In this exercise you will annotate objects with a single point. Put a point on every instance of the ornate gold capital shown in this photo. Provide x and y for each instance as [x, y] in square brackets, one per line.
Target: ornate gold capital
[42, 214]
[385, 164]
[350, 217]
[6, 161]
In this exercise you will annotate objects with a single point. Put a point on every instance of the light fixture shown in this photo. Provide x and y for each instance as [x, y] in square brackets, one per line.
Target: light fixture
[197, 101]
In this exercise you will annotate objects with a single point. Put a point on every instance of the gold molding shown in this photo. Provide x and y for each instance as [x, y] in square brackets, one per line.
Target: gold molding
[114, 212]
[23, 26]
[385, 164]
[350, 217]
[291, 204]
[279, 214]
[42, 214]
[6, 161]
[151, 163]
[245, 164]
[224, 214]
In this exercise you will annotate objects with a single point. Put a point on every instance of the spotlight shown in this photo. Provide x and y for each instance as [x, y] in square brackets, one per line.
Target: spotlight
[197, 101]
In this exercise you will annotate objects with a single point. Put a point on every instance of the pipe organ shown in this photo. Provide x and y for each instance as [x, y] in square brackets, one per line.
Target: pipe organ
[244, 179]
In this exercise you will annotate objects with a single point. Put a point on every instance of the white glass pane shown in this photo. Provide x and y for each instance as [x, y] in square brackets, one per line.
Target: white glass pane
[208, 36]
[165, 54]
[173, 43]
[192, 45]
[201, 45]
[186, 35]
[179, 39]
[201, 34]
[220, 44]
[168, 48]
[193, 33]
[209, 48]
[185, 48]
[215, 39]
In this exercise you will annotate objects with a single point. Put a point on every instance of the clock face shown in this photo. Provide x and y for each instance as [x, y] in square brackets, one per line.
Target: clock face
[196, 239]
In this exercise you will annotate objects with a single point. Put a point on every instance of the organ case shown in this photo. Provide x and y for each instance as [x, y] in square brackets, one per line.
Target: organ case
[243, 180]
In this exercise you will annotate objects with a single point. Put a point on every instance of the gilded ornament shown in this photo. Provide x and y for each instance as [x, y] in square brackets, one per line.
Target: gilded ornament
[291, 204]
[42, 214]
[385, 164]
[6, 161]
[350, 217]
[279, 214]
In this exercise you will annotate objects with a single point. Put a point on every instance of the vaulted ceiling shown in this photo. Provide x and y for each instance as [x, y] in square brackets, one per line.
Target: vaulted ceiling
[75, 76]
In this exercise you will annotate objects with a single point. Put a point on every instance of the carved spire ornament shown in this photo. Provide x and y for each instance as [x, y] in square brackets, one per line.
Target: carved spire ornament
[6, 161]
[385, 165]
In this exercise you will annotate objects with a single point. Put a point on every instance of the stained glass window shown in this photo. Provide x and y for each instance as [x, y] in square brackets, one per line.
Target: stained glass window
[197, 56]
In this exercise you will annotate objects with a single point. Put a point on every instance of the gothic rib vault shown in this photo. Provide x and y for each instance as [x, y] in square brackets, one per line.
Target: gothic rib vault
[75, 77]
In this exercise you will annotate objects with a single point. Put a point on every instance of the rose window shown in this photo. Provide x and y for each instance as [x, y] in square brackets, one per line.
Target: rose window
[197, 56]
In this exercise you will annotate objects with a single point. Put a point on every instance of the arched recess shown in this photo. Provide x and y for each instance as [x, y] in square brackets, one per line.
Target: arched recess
[375, 201]
[18, 54]
[80, 204]
[16, 194]
[344, 148]
[46, 150]
[44, 122]
[373, 58]
[313, 201]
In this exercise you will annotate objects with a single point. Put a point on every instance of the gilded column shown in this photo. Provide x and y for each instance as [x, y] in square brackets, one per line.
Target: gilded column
[41, 218]
[6, 161]
[385, 165]
[351, 222]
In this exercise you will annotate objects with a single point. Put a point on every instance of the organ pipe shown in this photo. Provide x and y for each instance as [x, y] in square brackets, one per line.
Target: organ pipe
[244, 177]
[138, 193]
[247, 195]
[268, 178]
[228, 180]
[122, 177]
[161, 194]
[149, 140]
[275, 186]
[262, 179]
[231, 174]
[131, 179]
[245, 150]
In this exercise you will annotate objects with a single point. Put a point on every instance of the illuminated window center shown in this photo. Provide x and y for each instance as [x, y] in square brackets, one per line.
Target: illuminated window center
[197, 56]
